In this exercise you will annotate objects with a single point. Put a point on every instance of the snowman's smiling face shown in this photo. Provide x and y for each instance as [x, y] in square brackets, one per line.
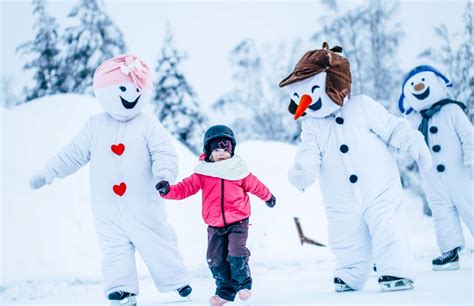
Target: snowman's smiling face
[309, 97]
[424, 89]
[123, 101]
[129, 104]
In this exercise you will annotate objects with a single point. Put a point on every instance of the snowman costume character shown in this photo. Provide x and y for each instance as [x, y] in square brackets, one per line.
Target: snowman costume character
[345, 141]
[128, 152]
[449, 185]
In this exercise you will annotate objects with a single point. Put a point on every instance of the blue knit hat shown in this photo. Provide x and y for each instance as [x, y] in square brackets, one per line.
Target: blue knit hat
[414, 71]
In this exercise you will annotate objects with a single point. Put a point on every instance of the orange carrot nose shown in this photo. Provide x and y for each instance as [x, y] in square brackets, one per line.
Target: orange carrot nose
[419, 86]
[305, 101]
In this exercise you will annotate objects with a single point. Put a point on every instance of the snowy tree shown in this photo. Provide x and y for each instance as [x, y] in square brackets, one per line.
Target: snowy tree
[245, 99]
[369, 37]
[7, 98]
[331, 4]
[257, 108]
[456, 60]
[175, 102]
[89, 43]
[44, 50]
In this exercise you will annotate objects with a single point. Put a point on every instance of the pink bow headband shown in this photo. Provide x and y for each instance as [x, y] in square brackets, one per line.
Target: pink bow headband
[126, 68]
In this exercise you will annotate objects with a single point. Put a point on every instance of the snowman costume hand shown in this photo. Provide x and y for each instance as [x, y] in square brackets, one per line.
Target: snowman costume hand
[41, 178]
[421, 154]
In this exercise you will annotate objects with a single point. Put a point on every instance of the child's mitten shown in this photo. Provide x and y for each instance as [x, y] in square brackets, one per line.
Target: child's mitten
[163, 187]
[271, 202]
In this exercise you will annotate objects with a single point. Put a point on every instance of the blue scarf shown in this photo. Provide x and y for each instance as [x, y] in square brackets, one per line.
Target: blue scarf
[428, 113]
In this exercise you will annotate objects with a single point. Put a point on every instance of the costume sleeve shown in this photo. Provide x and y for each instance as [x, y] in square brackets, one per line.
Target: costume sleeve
[464, 130]
[305, 169]
[72, 156]
[162, 152]
[394, 131]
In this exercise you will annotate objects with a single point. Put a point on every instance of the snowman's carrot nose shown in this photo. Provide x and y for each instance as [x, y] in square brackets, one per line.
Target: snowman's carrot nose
[419, 86]
[305, 101]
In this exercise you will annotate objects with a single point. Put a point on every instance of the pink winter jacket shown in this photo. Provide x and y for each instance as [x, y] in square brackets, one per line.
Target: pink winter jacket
[224, 186]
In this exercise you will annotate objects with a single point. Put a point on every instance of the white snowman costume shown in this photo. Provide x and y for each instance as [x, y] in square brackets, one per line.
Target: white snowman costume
[348, 148]
[449, 185]
[128, 152]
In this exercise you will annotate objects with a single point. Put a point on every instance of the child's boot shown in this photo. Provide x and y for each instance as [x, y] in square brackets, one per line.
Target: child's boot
[216, 300]
[245, 294]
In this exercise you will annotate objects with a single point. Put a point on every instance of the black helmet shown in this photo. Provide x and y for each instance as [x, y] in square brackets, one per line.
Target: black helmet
[218, 132]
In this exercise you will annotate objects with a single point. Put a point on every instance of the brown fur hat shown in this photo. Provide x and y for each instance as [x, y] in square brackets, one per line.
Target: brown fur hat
[338, 80]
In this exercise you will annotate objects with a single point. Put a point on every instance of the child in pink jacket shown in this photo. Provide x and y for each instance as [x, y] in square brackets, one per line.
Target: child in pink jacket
[225, 181]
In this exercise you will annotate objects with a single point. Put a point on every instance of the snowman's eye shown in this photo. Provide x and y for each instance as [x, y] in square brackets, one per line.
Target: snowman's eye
[314, 88]
[123, 88]
[423, 79]
[412, 83]
[138, 90]
[296, 95]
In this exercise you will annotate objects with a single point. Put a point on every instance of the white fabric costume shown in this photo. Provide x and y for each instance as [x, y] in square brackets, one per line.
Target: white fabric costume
[348, 148]
[449, 185]
[128, 152]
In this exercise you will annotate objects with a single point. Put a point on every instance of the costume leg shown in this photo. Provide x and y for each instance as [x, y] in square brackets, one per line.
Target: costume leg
[118, 258]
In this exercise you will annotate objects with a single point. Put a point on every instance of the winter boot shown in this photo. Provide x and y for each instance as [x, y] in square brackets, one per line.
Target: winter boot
[341, 286]
[216, 300]
[245, 294]
[447, 261]
[123, 298]
[392, 283]
[184, 291]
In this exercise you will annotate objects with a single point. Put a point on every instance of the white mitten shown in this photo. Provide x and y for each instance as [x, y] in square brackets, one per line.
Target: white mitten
[299, 178]
[40, 179]
[421, 154]
[37, 181]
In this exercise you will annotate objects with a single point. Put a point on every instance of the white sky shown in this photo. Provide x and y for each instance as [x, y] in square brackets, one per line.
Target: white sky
[208, 30]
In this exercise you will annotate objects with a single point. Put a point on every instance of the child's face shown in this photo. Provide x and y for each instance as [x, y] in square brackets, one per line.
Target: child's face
[219, 154]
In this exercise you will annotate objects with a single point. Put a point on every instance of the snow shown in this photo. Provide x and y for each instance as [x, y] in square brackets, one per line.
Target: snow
[50, 253]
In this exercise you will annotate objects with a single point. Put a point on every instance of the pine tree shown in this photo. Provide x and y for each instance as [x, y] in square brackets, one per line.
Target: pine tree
[369, 38]
[176, 104]
[244, 102]
[7, 98]
[468, 58]
[94, 40]
[44, 51]
[384, 37]
[254, 106]
[457, 60]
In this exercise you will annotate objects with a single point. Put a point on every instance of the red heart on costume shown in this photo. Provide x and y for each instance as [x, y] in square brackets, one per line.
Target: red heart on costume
[118, 149]
[120, 189]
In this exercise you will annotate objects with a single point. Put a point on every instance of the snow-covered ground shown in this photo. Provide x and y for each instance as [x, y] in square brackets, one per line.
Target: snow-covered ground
[50, 253]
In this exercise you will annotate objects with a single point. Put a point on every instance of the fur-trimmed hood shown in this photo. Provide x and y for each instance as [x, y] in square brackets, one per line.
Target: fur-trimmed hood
[233, 169]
